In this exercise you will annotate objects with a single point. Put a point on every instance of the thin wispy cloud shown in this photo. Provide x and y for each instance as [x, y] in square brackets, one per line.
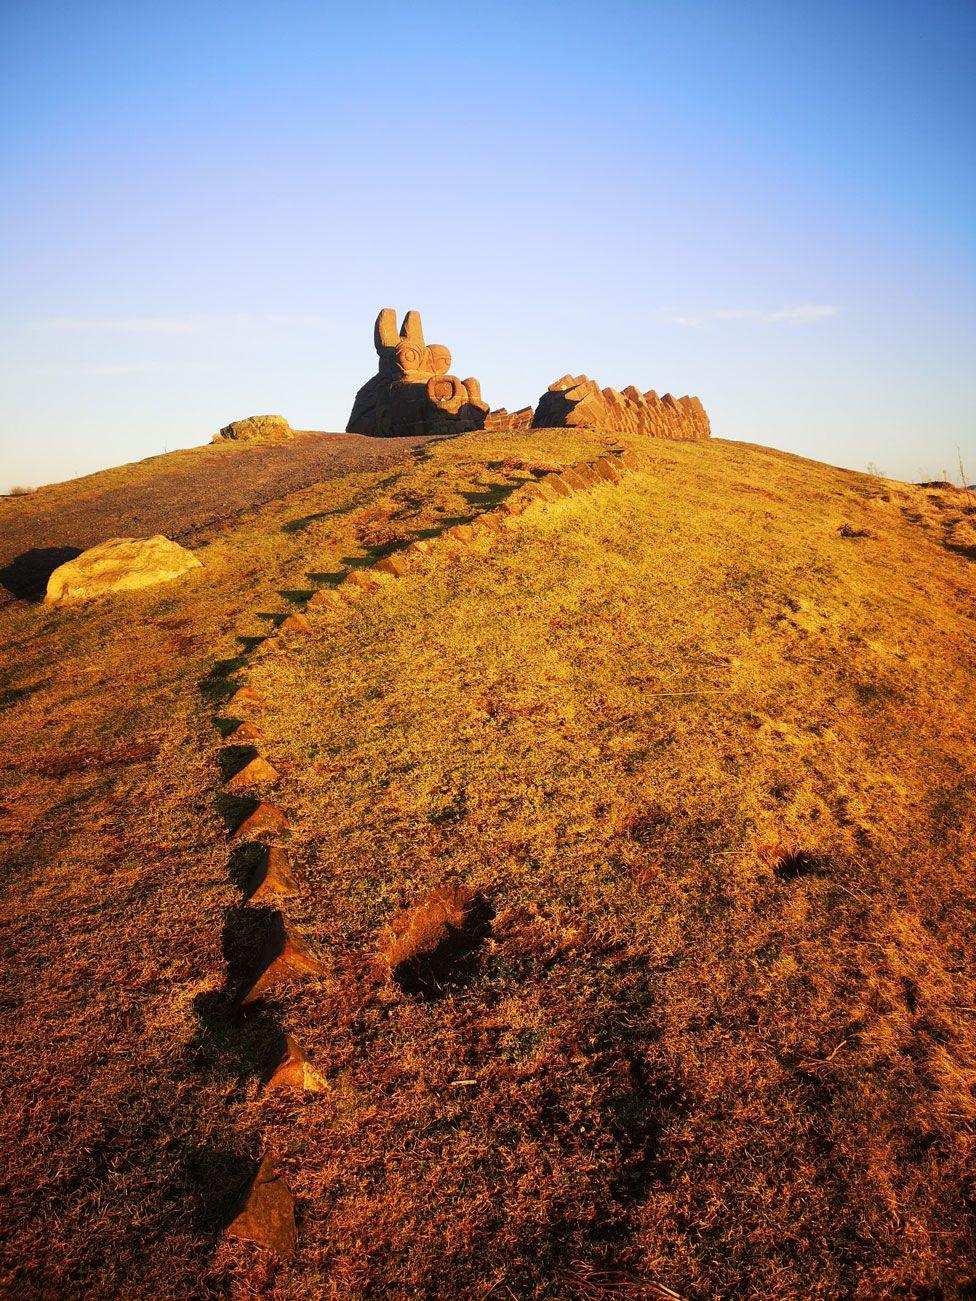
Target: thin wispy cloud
[194, 324]
[109, 371]
[86, 371]
[793, 314]
[127, 324]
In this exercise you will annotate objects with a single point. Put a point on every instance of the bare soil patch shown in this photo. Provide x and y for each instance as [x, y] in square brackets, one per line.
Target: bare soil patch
[435, 944]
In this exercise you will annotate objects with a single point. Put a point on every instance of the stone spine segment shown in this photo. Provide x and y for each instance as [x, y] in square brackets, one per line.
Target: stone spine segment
[412, 393]
[502, 419]
[576, 400]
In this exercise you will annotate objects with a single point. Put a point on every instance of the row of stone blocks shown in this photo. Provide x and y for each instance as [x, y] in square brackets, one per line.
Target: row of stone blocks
[578, 401]
[266, 1216]
[502, 419]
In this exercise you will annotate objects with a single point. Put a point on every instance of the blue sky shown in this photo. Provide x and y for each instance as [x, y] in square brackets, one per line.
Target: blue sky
[767, 204]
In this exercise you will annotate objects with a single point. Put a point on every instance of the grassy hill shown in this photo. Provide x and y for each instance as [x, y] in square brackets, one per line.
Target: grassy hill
[703, 741]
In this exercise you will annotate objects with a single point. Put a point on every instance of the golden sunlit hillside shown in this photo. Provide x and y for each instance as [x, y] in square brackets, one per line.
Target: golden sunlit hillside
[625, 922]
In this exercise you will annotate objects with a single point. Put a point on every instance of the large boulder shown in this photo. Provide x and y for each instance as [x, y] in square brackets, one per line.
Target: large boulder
[255, 427]
[119, 565]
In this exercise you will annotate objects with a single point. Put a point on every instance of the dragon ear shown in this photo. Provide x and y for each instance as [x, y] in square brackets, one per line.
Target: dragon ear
[411, 330]
[385, 332]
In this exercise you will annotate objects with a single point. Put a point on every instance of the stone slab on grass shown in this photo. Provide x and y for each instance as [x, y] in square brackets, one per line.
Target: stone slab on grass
[267, 1216]
[119, 565]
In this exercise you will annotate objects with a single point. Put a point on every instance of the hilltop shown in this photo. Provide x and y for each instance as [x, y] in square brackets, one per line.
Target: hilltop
[701, 741]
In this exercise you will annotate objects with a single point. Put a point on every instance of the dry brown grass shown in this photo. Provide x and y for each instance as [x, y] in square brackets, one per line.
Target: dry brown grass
[707, 751]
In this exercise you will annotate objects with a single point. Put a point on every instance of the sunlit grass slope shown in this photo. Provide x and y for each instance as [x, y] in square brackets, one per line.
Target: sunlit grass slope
[712, 760]
[706, 742]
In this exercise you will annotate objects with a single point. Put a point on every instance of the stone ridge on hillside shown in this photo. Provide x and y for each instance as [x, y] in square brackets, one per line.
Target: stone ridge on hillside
[577, 400]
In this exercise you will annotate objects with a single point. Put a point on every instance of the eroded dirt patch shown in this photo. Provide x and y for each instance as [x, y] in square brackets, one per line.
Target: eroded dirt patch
[436, 944]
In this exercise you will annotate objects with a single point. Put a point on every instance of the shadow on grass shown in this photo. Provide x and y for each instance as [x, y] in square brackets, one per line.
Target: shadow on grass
[798, 863]
[251, 939]
[218, 684]
[370, 555]
[9, 696]
[227, 726]
[331, 579]
[243, 864]
[220, 1177]
[455, 961]
[336, 512]
[222, 669]
[491, 496]
[26, 577]
[233, 809]
[303, 522]
[232, 1044]
[233, 758]
[483, 501]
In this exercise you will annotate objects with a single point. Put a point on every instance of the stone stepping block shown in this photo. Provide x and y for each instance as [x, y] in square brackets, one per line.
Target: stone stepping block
[324, 599]
[489, 522]
[547, 489]
[245, 698]
[266, 820]
[245, 734]
[420, 547]
[295, 1071]
[459, 533]
[286, 961]
[607, 469]
[396, 566]
[256, 773]
[361, 580]
[630, 460]
[267, 646]
[266, 1216]
[587, 474]
[555, 486]
[295, 623]
[273, 878]
[575, 480]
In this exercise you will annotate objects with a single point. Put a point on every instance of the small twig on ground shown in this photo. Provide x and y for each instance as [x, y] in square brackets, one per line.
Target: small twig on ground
[822, 1061]
[594, 1283]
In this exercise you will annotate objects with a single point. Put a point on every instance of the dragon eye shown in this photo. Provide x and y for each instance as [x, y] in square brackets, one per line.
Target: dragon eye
[410, 356]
